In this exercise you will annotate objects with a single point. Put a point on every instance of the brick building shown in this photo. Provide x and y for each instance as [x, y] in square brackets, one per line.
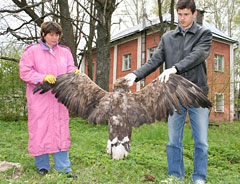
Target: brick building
[133, 47]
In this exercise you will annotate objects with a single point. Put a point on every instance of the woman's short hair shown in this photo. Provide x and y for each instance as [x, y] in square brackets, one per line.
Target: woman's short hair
[49, 27]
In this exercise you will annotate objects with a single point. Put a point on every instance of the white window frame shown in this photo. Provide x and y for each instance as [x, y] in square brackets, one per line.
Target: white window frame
[218, 62]
[219, 103]
[126, 62]
[150, 52]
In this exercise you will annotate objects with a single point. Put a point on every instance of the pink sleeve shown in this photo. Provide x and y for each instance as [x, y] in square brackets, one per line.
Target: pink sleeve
[27, 69]
[71, 67]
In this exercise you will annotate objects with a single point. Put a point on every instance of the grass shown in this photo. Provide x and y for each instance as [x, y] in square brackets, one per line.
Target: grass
[147, 157]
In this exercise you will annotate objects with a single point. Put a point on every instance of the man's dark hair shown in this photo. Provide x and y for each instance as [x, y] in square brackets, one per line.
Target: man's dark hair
[189, 4]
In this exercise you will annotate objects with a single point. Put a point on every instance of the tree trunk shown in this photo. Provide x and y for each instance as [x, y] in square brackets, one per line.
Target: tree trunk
[162, 26]
[68, 36]
[105, 9]
[90, 41]
[161, 31]
[172, 14]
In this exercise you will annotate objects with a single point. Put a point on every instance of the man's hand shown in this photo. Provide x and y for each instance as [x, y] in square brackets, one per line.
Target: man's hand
[76, 71]
[165, 75]
[130, 78]
[50, 79]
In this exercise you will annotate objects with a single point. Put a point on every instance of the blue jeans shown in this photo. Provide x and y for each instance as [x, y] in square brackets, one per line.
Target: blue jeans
[199, 123]
[61, 161]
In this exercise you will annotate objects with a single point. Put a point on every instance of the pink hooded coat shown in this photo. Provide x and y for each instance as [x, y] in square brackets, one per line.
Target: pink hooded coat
[48, 120]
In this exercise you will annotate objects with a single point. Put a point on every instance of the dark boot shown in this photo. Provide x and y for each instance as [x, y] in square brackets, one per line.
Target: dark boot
[71, 175]
[42, 172]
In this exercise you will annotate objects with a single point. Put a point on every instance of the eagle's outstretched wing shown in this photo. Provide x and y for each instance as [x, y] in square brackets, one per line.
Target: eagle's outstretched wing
[122, 109]
[161, 99]
[79, 94]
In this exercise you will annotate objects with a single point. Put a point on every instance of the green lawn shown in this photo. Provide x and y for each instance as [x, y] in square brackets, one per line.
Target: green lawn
[147, 157]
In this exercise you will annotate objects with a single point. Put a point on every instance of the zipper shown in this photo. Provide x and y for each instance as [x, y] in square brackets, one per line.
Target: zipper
[183, 41]
[182, 49]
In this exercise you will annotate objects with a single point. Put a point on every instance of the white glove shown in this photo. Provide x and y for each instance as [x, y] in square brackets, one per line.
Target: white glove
[130, 78]
[165, 75]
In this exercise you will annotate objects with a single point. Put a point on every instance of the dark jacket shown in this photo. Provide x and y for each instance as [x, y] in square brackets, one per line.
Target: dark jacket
[187, 52]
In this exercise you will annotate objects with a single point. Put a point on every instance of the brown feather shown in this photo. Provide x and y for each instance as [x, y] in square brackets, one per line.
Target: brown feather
[166, 96]
[121, 108]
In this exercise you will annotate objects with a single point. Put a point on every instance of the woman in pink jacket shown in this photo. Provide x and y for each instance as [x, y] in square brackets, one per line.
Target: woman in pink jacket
[48, 120]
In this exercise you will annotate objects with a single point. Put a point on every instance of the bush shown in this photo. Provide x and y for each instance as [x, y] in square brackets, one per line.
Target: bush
[12, 91]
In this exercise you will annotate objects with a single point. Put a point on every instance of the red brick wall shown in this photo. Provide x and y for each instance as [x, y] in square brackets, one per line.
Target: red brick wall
[152, 40]
[94, 63]
[219, 82]
[123, 49]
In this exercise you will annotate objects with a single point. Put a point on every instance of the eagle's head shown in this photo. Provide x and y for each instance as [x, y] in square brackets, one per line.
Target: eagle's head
[121, 85]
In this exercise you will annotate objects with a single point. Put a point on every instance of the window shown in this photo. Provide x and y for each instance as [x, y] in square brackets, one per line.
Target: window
[219, 102]
[219, 63]
[150, 52]
[126, 63]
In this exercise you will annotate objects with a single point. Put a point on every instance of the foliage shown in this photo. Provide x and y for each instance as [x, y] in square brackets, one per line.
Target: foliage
[165, 7]
[148, 156]
[12, 90]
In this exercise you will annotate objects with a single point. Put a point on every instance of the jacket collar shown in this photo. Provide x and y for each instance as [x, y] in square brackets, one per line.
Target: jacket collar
[45, 46]
[193, 29]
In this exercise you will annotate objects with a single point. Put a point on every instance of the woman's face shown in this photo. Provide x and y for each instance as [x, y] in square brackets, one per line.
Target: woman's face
[51, 38]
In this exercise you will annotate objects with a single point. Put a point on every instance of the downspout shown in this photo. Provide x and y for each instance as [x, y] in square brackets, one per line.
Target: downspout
[115, 55]
[142, 49]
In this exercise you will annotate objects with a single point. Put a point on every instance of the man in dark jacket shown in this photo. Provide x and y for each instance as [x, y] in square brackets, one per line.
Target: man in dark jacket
[184, 51]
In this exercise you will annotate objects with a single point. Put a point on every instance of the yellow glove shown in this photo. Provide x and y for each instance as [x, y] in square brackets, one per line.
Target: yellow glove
[76, 71]
[50, 79]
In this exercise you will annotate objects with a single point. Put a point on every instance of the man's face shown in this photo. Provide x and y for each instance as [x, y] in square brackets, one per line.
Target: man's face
[186, 17]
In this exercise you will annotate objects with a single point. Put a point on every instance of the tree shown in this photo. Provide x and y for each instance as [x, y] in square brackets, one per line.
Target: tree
[92, 26]
[131, 12]
[223, 14]
[12, 89]
[67, 13]
[28, 17]
[105, 9]
[66, 23]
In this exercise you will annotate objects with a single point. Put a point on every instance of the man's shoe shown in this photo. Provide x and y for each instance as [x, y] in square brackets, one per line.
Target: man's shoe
[71, 175]
[172, 180]
[42, 172]
[199, 182]
[169, 180]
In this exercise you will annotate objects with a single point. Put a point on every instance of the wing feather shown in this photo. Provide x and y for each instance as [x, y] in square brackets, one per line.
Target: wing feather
[78, 93]
[162, 99]
[138, 113]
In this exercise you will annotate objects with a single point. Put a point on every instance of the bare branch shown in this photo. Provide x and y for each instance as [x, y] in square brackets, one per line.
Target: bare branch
[24, 7]
[95, 18]
[9, 30]
[9, 59]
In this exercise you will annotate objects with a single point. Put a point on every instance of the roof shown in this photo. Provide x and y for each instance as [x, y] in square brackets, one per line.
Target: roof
[167, 17]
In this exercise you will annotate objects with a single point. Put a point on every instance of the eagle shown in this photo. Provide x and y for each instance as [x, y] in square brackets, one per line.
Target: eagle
[121, 108]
